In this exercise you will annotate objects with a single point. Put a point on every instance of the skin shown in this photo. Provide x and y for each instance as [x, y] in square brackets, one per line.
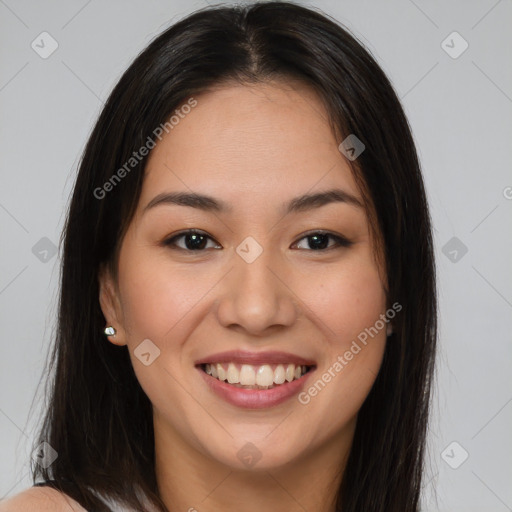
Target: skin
[253, 147]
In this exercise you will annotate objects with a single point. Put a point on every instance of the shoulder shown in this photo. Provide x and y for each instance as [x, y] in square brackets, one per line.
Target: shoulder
[42, 499]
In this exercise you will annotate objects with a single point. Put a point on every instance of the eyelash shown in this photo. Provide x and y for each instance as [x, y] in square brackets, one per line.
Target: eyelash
[341, 241]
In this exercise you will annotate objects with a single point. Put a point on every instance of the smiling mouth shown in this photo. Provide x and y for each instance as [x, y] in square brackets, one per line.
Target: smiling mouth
[247, 376]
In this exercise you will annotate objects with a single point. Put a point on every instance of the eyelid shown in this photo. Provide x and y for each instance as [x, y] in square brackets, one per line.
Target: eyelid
[170, 240]
[341, 241]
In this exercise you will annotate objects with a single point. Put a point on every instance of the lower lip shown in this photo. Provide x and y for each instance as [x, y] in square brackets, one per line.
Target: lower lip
[255, 398]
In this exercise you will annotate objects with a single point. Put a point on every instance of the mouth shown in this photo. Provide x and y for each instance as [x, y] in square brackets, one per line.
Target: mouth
[250, 376]
[255, 380]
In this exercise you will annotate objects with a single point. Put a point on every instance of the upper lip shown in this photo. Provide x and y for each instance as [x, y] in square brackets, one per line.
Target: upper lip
[255, 358]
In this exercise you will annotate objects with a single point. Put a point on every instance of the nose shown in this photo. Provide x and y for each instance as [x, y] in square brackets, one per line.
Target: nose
[256, 298]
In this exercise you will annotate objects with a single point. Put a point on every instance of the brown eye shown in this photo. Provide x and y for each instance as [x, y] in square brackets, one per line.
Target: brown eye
[319, 241]
[193, 240]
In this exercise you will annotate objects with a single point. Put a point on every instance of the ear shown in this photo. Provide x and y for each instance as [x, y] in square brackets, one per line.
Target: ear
[111, 305]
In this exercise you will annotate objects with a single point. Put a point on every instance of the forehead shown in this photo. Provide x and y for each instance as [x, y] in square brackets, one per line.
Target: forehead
[249, 145]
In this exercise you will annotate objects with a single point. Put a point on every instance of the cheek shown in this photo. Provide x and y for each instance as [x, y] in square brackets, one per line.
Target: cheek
[160, 302]
[347, 303]
[345, 300]
[158, 295]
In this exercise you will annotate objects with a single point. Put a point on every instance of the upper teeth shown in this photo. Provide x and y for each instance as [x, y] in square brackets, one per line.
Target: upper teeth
[249, 375]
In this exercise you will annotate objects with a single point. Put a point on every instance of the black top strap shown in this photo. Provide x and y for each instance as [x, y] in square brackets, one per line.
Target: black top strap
[53, 483]
[49, 483]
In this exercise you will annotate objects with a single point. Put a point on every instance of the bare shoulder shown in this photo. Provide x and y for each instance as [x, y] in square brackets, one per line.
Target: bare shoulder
[43, 499]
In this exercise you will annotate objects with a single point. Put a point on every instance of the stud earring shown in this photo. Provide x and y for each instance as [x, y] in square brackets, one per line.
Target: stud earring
[110, 331]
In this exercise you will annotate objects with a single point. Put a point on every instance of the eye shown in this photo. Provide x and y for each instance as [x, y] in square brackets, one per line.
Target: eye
[319, 241]
[194, 240]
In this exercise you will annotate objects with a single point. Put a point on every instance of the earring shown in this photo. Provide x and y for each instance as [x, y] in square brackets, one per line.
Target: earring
[110, 331]
[389, 330]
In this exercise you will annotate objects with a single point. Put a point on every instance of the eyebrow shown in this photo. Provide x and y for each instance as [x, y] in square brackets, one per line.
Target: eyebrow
[298, 204]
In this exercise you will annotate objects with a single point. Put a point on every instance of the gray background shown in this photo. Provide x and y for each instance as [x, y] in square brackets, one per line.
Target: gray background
[460, 112]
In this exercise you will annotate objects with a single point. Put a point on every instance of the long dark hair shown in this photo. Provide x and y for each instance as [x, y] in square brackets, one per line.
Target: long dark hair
[99, 419]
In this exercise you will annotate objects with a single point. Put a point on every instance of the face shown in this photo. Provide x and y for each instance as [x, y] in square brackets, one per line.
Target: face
[269, 285]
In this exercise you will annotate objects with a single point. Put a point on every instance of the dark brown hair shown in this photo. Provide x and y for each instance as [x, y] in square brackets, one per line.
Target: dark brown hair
[99, 419]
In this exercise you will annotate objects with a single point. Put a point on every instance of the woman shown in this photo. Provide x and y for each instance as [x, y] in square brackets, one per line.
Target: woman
[248, 308]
